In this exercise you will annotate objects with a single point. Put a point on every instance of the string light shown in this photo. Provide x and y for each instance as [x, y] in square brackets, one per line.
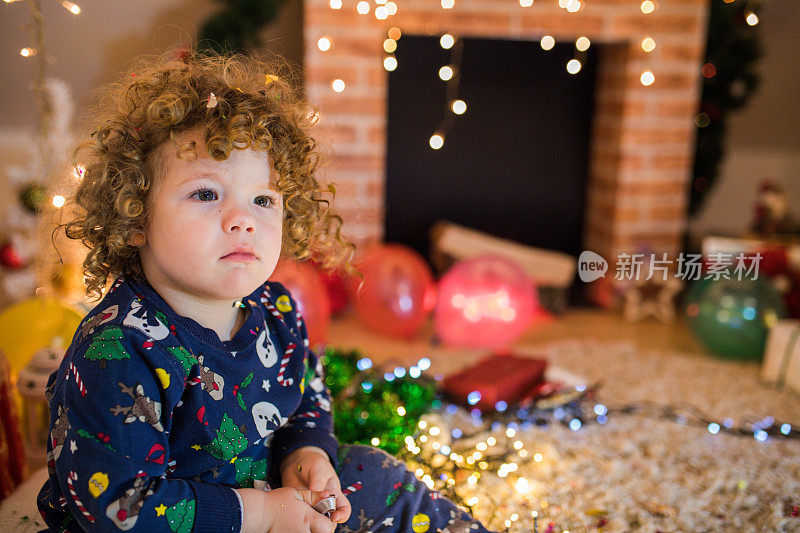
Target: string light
[648, 44]
[459, 107]
[381, 13]
[573, 6]
[27, 52]
[75, 9]
[324, 44]
[59, 201]
[336, 4]
[647, 7]
[338, 85]
[573, 66]
[436, 141]
[447, 41]
[362, 7]
[446, 72]
[391, 8]
[389, 45]
[751, 19]
[582, 43]
[547, 42]
[526, 3]
[647, 78]
[395, 33]
[390, 63]
[448, 4]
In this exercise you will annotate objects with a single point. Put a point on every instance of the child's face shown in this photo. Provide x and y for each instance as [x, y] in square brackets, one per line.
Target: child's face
[214, 231]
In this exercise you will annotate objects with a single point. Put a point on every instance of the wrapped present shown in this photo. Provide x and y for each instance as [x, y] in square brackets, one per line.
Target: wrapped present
[781, 365]
[497, 378]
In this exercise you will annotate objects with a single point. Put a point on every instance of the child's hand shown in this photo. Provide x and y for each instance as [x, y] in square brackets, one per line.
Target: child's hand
[285, 510]
[309, 468]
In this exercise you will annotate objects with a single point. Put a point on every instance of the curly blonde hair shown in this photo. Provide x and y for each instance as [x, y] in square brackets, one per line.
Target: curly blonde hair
[161, 98]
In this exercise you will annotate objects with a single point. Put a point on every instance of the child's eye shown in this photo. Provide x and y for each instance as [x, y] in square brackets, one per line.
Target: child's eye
[264, 201]
[204, 195]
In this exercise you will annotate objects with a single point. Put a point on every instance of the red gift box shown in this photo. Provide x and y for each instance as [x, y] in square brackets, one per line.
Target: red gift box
[496, 378]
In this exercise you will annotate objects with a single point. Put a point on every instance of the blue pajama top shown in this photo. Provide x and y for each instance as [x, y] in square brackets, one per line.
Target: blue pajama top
[154, 420]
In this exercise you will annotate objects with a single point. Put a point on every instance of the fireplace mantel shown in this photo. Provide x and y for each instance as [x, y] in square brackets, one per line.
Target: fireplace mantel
[642, 140]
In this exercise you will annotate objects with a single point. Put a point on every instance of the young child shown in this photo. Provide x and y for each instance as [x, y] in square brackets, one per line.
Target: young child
[188, 399]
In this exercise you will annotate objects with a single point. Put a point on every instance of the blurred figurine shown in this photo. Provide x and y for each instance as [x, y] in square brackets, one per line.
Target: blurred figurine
[772, 210]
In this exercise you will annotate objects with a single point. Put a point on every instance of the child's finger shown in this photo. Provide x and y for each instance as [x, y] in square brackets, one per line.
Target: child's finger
[316, 477]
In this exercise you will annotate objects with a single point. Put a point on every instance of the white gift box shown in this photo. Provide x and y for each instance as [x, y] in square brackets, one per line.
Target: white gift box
[781, 365]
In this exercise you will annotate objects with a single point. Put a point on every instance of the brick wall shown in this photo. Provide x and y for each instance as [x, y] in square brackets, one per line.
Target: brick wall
[642, 145]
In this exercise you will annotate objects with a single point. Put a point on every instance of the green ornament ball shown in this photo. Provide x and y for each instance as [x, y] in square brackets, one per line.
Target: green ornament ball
[732, 317]
[32, 197]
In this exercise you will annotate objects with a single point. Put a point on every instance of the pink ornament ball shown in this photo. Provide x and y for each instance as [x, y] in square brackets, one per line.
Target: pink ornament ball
[398, 291]
[303, 282]
[486, 301]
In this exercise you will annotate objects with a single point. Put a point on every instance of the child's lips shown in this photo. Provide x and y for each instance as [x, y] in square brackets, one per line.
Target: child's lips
[241, 254]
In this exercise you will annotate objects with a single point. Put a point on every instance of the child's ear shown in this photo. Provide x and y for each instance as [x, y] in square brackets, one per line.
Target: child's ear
[136, 239]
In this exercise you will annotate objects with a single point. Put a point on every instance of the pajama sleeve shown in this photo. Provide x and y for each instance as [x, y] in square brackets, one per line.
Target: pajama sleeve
[312, 422]
[111, 413]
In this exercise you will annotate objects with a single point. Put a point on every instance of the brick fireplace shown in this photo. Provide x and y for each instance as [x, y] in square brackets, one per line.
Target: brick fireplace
[642, 138]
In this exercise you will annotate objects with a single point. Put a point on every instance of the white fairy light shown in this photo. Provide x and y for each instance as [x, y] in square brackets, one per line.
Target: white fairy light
[324, 44]
[338, 85]
[390, 63]
[582, 43]
[362, 7]
[446, 72]
[547, 42]
[459, 107]
[447, 41]
[573, 66]
[436, 141]
[336, 4]
[648, 44]
[647, 78]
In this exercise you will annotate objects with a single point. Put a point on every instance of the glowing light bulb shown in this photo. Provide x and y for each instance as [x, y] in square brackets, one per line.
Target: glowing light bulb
[390, 63]
[389, 45]
[446, 72]
[574, 66]
[338, 85]
[59, 201]
[648, 44]
[336, 4]
[647, 7]
[447, 41]
[573, 6]
[751, 19]
[27, 52]
[381, 13]
[362, 8]
[459, 107]
[436, 141]
[391, 8]
[522, 485]
[537, 457]
[647, 78]
[547, 42]
[75, 9]
[324, 44]
[375, 441]
[582, 43]
[526, 3]
[448, 4]
[395, 33]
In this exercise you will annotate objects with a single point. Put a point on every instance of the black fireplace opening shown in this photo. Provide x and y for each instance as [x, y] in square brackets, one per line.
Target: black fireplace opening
[514, 165]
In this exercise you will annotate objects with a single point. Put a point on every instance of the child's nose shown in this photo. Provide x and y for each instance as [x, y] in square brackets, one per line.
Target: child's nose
[238, 219]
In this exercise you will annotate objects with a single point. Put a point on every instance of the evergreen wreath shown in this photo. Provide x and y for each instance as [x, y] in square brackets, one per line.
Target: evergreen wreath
[729, 80]
[235, 28]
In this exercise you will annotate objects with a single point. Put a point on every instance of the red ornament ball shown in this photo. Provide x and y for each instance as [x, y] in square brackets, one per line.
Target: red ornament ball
[303, 282]
[486, 301]
[10, 257]
[398, 292]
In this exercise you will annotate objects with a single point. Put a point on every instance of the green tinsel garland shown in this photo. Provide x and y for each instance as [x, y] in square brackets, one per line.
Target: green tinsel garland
[367, 406]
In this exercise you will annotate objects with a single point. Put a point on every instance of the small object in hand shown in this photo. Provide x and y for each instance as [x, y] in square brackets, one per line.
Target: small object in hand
[326, 506]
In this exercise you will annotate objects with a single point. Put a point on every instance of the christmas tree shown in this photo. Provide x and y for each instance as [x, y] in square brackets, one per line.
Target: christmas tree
[180, 516]
[229, 441]
[107, 346]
